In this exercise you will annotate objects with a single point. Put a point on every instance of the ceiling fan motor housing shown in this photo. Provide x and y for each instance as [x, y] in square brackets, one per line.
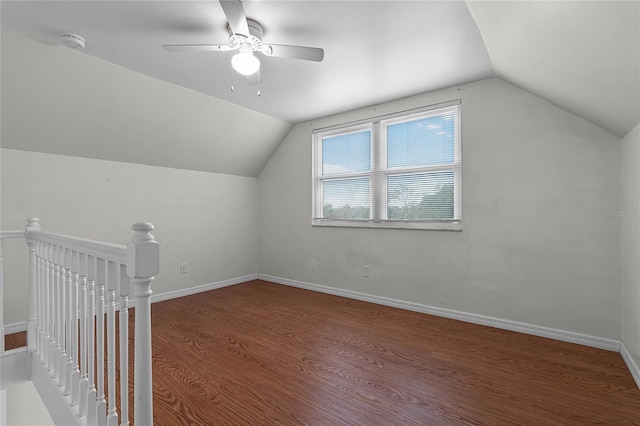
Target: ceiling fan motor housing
[253, 39]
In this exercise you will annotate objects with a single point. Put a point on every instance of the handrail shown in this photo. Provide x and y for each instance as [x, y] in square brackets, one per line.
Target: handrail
[114, 252]
[20, 233]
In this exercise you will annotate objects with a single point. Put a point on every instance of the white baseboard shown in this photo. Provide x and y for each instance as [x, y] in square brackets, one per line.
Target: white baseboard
[161, 297]
[631, 363]
[536, 330]
[15, 327]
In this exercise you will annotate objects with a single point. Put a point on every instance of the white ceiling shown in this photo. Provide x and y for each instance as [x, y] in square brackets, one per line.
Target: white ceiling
[584, 56]
[375, 51]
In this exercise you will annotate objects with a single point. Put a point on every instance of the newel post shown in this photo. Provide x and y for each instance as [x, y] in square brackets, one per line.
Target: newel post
[33, 224]
[143, 263]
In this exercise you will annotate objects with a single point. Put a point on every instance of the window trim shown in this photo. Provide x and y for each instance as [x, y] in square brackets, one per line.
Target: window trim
[378, 172]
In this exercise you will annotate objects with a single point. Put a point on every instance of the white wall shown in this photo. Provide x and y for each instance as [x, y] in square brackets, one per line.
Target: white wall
[630, 224]
[536, 245]
[205, 219]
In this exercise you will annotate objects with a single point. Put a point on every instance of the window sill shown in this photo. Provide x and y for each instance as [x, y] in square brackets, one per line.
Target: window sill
[426, 226]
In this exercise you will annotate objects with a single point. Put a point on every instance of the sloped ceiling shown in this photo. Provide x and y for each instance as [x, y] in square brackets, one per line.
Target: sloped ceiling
[60, 101]
[582, 56]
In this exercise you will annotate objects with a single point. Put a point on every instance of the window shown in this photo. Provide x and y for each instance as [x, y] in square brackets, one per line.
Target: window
[397, 171]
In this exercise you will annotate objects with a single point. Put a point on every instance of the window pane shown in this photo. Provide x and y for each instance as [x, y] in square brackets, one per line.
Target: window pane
[420, 196]
[346, 198]
[346, 153]
[424, 142]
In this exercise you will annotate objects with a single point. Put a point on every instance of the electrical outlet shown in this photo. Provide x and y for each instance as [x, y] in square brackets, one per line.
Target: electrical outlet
[313, 264]
[365, 271]
[183, 268]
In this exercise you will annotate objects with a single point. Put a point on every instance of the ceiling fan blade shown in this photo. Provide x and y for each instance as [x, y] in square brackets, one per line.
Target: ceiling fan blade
[294, 52]
[236, 17]
[197, 47]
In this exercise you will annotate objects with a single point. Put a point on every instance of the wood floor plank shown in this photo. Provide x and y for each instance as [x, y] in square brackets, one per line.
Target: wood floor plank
[282, 355]
[260, 353]
[15, 340]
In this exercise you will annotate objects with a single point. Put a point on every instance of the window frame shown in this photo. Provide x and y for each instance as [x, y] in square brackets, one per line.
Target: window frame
[379, 173]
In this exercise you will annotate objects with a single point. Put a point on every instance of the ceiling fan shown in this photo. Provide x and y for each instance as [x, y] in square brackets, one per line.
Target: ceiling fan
[245, 36]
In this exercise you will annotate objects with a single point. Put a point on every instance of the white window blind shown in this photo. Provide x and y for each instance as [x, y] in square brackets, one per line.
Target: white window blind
[399, 171]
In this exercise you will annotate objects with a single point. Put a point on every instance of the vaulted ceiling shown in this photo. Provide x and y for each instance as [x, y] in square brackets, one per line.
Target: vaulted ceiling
[582, 56]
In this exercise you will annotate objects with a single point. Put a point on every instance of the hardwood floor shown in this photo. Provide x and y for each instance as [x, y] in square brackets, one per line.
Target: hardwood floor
[15, 340]
[264, 354]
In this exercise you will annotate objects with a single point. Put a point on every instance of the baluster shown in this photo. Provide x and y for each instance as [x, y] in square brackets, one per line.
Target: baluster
[56, 313]
[101, 406]
[59, 335]
[48, 302]
[142, 266]
[112, 278]
[52, 310]
[44, 347]
[62, 316]
[51, 305]
[75, 375]
[37, 295]
[124, 345]
[60, 338]
[43, 302]
[84, 380]
[69, 318]
[32, 225]
[40, 291]
[91, 313]
[55, 349]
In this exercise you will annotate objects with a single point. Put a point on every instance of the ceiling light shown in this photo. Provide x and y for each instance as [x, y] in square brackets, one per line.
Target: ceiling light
[245, 62]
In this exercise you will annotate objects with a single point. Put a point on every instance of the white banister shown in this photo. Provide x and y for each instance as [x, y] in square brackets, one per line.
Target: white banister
[143, 263]
[115, 252]
[73, 282]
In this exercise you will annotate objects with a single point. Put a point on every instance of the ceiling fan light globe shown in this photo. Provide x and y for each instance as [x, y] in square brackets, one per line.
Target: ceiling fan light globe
[245, 63]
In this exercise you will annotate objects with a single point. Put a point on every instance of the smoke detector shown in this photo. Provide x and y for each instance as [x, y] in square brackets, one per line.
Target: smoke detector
[73, 41]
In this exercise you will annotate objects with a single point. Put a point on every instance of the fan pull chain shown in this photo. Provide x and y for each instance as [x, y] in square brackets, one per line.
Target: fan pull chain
[232, 82]
[259, 83]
